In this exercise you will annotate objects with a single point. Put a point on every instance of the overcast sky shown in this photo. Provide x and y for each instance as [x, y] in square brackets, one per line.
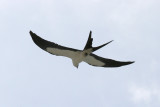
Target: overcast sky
[30, 77]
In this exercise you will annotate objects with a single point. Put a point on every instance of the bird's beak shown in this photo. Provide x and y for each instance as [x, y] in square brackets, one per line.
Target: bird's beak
[77, 66]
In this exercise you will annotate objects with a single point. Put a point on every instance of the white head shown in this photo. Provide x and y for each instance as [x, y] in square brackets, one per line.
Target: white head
[79, 57]
[76, 62]
[76, 65]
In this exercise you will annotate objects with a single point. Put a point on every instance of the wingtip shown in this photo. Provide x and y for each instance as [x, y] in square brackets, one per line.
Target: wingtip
[33, 35]
[129, 62]
[30, 32]
[132, 62]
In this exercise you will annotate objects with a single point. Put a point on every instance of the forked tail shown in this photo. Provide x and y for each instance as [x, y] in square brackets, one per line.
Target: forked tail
[89, 43]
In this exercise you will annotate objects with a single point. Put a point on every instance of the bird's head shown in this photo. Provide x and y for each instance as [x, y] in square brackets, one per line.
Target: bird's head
[76, 65]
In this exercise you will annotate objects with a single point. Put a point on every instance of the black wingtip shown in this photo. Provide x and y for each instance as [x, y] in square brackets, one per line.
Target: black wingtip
[39, 41]
[32, 34]
[118, 63]
[129, 62]
[126, 63]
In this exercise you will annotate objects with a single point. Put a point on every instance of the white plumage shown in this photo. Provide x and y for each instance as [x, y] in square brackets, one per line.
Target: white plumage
[78, 56]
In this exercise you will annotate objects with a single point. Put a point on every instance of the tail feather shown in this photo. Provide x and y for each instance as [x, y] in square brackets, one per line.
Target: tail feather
[98, 47]
[89, 41]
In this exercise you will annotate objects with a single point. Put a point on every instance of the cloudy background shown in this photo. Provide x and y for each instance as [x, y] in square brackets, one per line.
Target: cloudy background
[30, 77]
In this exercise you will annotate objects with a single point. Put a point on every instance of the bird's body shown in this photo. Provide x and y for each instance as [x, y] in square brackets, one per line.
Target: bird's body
[78, 56]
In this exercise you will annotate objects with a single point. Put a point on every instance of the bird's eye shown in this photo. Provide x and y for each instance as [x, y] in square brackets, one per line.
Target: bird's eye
[86, 54]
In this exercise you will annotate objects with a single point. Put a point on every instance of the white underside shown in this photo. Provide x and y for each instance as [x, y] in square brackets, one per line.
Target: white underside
[91, 60]
[60, 52]
[76, 56]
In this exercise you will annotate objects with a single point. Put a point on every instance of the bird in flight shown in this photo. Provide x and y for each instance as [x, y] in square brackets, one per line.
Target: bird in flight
[76, 55]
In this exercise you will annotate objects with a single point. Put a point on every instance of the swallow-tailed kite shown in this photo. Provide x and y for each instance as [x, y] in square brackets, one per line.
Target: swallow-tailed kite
[76, 55]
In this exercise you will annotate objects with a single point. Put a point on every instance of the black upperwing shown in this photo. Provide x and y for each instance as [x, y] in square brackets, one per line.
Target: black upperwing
[95, 60]
[51, 47]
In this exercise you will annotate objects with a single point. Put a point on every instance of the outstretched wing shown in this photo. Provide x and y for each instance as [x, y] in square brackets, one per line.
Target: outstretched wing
[53, 48]
[95, 60]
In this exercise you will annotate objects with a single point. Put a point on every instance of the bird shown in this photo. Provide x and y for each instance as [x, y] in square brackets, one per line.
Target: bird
[76, 55]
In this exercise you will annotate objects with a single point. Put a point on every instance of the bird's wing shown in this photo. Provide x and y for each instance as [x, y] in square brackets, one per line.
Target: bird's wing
[53, 48]
[95, 60]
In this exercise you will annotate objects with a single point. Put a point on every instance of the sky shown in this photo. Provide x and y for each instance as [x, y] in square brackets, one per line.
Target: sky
[30, 77]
